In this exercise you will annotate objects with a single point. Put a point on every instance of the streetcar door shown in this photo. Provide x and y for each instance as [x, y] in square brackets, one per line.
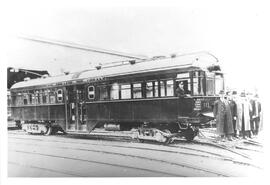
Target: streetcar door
[76, 108]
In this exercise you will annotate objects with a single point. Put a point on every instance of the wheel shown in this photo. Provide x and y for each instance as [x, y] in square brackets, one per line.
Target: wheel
[55, 130]
[48, 131]
[18, 124]
[168, 139]
[189, 134]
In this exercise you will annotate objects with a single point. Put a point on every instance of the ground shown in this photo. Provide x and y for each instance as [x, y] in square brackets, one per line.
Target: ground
[116, 154]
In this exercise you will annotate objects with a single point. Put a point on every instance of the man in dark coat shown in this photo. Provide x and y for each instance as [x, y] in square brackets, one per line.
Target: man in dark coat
[233, 107]
[252, 114]
[223, 116]
[256, 107]
[246, 107]
[180, 92]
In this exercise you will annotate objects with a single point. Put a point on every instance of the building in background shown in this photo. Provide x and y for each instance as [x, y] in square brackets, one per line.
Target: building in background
[16, 75]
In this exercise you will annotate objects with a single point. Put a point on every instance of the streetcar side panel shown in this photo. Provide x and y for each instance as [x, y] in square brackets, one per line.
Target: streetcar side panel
[42, 112]
[29, 113]
[57, 112]
[146, 110]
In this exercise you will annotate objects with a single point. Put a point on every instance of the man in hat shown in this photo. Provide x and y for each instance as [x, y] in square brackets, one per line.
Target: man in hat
[238, 115]
[252, 112]
[246, 129]
[232, 101]
[222, 114]
[256, 107]
[180, 92]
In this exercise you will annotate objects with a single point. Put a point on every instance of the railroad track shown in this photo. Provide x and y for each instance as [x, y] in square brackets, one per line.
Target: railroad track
[199, 153]
[209, 142]
[88, 161]
[178, 164]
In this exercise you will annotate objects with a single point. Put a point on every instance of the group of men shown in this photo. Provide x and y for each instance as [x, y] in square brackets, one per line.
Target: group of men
[237, 115]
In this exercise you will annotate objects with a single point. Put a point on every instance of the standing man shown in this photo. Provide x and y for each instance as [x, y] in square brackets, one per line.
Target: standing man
[252, 110]
[256, 114]
[245, 116]
[233, 107]
[222, 114]
[239, 115]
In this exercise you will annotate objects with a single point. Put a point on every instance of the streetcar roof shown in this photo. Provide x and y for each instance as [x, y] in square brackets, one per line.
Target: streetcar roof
[197, 60]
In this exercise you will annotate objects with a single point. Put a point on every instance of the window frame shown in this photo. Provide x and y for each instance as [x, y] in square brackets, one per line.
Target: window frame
[129, 95]
[184, 77]
[140, 90]
[57, 95]
[93, 92]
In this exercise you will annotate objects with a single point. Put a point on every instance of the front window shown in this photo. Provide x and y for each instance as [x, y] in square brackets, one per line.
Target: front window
[210, 84]
[219, 85]
[184, 78]
[198, 87]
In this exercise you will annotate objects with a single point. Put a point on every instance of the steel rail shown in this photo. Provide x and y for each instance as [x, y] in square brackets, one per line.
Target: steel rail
[185, 165]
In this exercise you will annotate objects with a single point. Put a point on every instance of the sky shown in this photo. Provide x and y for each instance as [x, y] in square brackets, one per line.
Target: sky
[234, 31]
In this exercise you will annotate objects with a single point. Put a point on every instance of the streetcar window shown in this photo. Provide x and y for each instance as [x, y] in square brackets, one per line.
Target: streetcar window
[16, 99]
[149, 90]
[91, 92]
[25, 102]
[162, 88]
[114, 92]
[169, 87]
[59, 95]
[103, 92]
[30, 98]
[152, 89]
[155, 89]
[13, 99]
[52, 96]
[185, 79]
[125, 91]
[45, 97]
[210, 82]
[19, 99]
[198, 88]
[37, 95]
[40, 97]
[218, 83]
[137, 90]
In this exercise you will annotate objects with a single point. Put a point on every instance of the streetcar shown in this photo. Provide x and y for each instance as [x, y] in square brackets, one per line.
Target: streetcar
[134, 94]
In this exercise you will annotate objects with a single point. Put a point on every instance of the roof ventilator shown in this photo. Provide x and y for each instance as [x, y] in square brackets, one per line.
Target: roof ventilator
[98, 67]
[132, 62]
